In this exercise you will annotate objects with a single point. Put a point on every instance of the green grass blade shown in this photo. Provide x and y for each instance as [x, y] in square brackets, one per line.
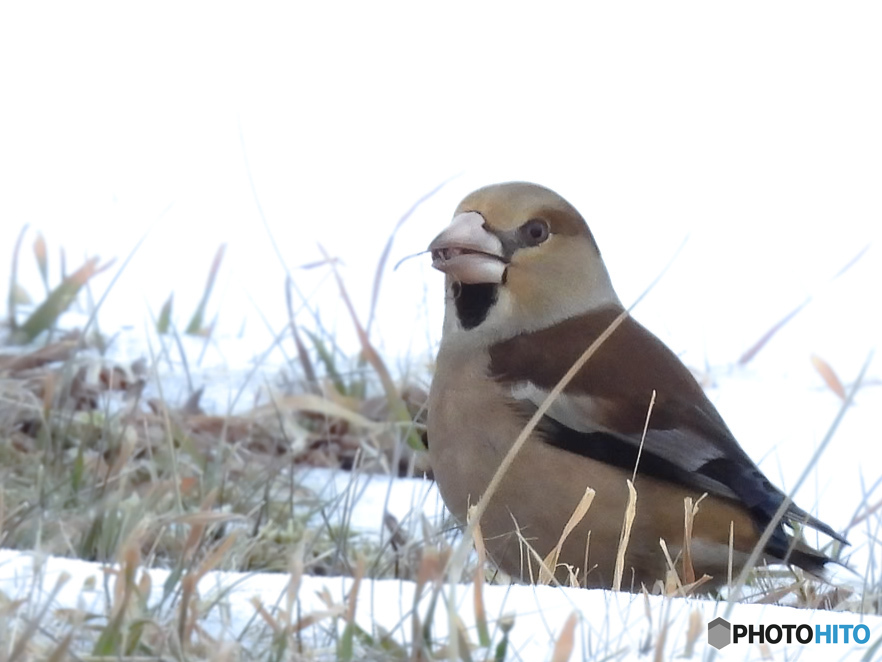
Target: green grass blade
[58, 301]
[13, 279]
[164, 322]
[196, 322]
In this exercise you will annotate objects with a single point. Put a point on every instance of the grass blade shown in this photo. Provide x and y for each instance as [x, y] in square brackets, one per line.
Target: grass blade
[196, 322]
[754, 349]
[40, 253]
[397, 408]
[58, 301]
[164, 322]
[13, 279]
[302, 355]
[384, 256]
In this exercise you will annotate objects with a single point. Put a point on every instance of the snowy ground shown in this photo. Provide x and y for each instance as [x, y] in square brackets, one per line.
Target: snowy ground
[752, 129]
[620, 626]
[609, 625]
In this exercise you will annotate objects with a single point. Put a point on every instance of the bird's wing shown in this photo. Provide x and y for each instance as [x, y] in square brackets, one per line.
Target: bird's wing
[603, 410]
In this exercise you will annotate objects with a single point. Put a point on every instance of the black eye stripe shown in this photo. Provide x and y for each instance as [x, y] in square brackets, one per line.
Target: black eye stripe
[529, 234]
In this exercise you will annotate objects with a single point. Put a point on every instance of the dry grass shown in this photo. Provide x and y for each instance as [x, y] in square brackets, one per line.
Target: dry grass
[92, 469]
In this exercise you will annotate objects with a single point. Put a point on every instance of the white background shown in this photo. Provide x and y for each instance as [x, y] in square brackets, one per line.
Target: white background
[753, 128]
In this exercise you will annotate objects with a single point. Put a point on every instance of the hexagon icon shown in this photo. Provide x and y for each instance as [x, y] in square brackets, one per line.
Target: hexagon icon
[719, 633]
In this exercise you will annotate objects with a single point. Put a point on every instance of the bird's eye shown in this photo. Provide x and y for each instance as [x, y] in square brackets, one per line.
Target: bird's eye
[534, 232]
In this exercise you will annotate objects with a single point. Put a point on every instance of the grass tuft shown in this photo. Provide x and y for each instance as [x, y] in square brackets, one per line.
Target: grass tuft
[94, 466]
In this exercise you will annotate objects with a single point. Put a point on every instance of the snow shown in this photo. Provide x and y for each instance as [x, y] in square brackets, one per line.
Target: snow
[753, 130]
[779, 415]
[620, 626]
[610, 625]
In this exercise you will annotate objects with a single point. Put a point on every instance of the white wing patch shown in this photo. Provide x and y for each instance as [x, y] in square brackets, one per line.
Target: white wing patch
[574, 411]
[581, 413]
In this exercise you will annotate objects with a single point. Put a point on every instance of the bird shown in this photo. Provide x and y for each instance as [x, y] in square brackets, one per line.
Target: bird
[526, 293]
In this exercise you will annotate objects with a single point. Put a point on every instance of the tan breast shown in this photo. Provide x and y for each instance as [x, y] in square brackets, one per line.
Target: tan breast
[472, 423]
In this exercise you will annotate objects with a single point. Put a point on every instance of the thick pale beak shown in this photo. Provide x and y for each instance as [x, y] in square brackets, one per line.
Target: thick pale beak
[467, 252]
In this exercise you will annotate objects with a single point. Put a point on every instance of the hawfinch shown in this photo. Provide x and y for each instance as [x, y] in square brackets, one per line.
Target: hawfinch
[526, 294]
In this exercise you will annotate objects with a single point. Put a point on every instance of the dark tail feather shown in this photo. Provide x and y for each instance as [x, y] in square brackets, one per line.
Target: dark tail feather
[799, 515]
[812, 562]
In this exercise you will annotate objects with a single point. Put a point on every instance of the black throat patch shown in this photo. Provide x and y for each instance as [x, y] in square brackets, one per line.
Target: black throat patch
[473, 302]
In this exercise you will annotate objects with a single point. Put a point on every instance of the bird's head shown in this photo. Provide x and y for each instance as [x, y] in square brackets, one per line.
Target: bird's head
[518, 258]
